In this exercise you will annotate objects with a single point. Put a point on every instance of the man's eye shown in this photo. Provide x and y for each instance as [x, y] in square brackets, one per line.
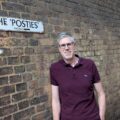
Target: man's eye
[69, 44]
[63, 45]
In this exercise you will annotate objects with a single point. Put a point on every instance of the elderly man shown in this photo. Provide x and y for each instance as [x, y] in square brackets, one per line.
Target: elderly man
[74, 80]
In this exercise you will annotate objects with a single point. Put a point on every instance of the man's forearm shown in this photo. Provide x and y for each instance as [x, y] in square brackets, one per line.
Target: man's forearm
[56, 111]
[102, 106]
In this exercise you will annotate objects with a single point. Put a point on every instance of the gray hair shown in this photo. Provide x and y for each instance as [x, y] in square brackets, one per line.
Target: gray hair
[64, 35]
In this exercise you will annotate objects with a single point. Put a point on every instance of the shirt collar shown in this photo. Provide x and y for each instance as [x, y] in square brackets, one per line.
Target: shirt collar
[78, 64]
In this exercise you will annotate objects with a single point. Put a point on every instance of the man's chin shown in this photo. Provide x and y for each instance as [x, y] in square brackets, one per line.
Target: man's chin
[68, 57]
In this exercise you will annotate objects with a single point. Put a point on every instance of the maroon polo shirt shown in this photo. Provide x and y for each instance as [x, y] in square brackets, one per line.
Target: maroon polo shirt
[76, 89]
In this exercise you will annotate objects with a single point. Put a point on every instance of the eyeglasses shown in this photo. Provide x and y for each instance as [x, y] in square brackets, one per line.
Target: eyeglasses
[67, 44]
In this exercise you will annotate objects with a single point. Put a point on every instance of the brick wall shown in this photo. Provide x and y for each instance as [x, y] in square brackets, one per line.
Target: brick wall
[24, 65]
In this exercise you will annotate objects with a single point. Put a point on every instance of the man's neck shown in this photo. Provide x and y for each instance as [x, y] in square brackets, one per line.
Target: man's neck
[73, 61]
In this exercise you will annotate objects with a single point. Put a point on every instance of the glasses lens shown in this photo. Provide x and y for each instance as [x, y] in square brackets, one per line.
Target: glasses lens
[64, 45]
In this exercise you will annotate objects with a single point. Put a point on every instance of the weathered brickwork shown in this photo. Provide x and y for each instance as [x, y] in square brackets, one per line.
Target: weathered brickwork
[25, 92]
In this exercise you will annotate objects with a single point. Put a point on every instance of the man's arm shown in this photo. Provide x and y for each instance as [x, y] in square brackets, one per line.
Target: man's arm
[101, 99]
[55, 103]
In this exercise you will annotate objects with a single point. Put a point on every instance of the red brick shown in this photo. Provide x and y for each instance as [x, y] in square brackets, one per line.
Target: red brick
[6, 70]
[27, 77]
[18, 51]
[8, 117]
[5, 101]
[3, 61]
[30, 67]
[25, 59]
[19, 96]
[41, 107]
[13, 60]
[19, 69]
[24, 114]
[21, 86]
[29, 50]
[23, 104]
[3, 81]
[15, 78]
[8, 110]
[7, 90]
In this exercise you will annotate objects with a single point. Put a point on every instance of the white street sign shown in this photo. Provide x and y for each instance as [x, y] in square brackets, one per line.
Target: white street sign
[16, 24]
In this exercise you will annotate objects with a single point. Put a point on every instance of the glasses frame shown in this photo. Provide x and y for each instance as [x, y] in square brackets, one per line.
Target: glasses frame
[69, 45]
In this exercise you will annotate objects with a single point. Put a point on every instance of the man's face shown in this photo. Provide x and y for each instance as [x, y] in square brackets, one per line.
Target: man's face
[66, 48]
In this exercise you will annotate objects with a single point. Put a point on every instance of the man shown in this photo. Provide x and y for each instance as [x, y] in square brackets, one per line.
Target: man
[74, 80]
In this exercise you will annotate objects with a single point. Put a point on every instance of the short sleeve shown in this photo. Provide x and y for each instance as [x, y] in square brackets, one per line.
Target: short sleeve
[53, 81]
[96, 76]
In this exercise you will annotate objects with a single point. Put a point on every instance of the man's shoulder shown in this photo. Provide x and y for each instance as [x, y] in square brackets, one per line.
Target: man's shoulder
[87, 61]
[56, 64]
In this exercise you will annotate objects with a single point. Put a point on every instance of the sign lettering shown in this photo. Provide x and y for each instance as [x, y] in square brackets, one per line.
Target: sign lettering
[14, 24]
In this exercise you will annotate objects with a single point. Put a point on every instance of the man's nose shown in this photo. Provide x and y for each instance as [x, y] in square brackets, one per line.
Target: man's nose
[66, 46]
